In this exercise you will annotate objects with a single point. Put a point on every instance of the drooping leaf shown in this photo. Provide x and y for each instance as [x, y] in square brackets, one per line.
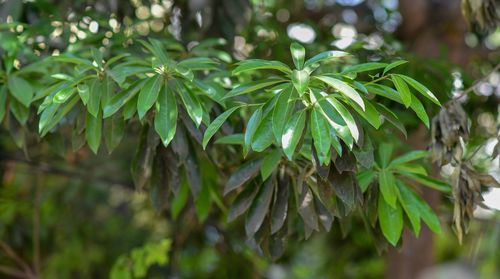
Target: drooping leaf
[246, 171]
[292, 133]
[370, 114]
[346, 116]
[259, 207]
[306, 207]
[419, 109]
[280, 206]
[63, 95]
[280, 111]
[84, 91]
[344, 89]
[408, 157]
[384, 153]
[149, 94]
[253, 124]
[165, 122]
[387, 186]
[269, 163]
[429, 182]
[119, 100]
[93, 129]
[390, 220]
[344, 187]
[94, 103]
[114, 129]
[20, 89]
[243, 201]
[216, 124]
[263, 136]
[191, 103]
[321, 135]
[392, 118]
[298, 54]
[410, 204]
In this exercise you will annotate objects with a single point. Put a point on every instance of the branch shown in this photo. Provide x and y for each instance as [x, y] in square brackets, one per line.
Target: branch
[473, 86]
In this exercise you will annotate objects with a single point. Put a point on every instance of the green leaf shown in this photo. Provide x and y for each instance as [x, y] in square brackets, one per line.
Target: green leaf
[149, 94]
[300, 80]
[269, 163]
[364, 67]
[122, 98]
[235, 139]
[429, 217]
[84, 91]
[198, 63]
[93, 131]
[292, 133]
[180, 199]
[402, 87]
[392, 118]
[390, 220]
[97, 56]
[21, 90]
[21, 112]
[365, 178]
[421, 88]
[259, 64]
[321, 135]
[408, 157]
[244, 173]
[281, 111]
[251, 86]
[411, 168]
[63, 95]
[216, 124]
[263, 136]
[166, 115]
[3, 102]
[410, 203]
[94, 103]
[298, 53]
[259, 208]
[114, 129]
[387, 184]
[393, 65]
[243, 201]
[253, 124]
[191, 102]
[384, 154]
[370, 114]
[346, 116]
[419, 109]
[325, 57]
[429, 182]
[343, 88]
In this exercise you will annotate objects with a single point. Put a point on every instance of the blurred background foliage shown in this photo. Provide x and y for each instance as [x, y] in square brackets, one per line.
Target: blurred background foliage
[77, 215]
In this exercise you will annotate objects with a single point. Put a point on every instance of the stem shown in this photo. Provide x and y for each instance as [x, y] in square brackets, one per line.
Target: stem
[471, 88]
[376, 80]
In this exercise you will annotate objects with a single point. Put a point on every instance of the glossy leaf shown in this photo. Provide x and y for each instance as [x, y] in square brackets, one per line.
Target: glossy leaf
[149, 94]
[402, 88]
[346, 116]
[300, 80]
[253, 124]
[122, 98]
[259, 208]
[251, 87]
[321, 135]
[243, 201]
[114, 128]
[94, 103]
[263, 136]
[165, 122]
[64, 95]
[281, 111]
[191, 103]
[421, 88]
[344, 89]
[298, 54]
[364, 67]
[292, 133]
[393, 65]
[93, 129]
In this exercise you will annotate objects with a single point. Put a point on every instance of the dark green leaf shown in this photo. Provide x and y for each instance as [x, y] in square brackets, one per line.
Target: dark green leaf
[93, 131]
[393, 65]
[84, 91]
[246, 172]
[321, 135]
[166, 115]
[259, 208]
[392, 118]
[263, 136]
[149, 94]
[235, 139]
[63, 95]
[365, 67]
[281, 111]
[21, 90]
[429, 182]
[252, 126]
[191, 102]
[280, 206]
[122, 98]
[114, 128]
[421, 88]
[243, 201]
[251, 86]
[94, 103]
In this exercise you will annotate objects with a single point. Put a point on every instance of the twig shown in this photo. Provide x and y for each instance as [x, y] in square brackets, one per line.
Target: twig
[12, 272]
[12, 255]
[471, 88]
